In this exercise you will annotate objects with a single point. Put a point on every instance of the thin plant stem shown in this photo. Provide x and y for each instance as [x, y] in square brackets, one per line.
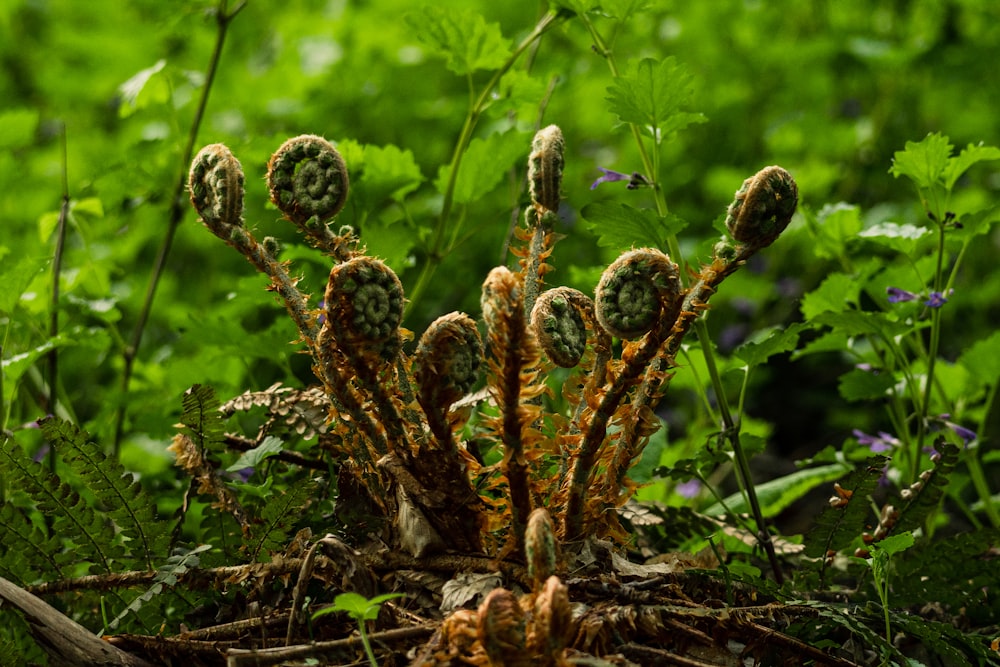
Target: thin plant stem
[178, 207]
[53, 379]
[932, 354]
[731, 430]
[477, 105]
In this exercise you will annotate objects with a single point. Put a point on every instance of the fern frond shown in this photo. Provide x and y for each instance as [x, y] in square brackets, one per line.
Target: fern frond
[840, 523]
[27, 553]
[202, 419]
[278, 519]
[117, 493]
[73, 520]
[926, 494]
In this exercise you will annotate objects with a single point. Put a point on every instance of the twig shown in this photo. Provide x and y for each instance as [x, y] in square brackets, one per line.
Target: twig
[273, 656]
[178, 207]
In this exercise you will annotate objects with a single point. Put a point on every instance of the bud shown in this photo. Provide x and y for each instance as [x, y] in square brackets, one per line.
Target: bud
[763, 207]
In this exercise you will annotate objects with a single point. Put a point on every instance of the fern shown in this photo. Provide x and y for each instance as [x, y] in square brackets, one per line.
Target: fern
[837, 526]
[927, 496]
[71, 518]
[123, 500]
[202, 419]
[927, 572]
[27, 553]
[278, 519]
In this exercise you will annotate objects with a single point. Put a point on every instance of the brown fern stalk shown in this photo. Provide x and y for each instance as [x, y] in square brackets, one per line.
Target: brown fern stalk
[512, 362]
[640, 290]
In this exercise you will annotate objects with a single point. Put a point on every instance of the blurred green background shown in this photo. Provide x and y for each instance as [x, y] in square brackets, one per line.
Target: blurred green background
[829, 90]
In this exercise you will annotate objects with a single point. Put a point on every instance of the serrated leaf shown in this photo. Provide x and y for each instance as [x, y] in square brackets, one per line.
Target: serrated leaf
[982, 359]
[389, 173]
[773, 341]
[901, 238]
[462, 36]
[143, 89]
[837, 293]
[253, 457]
[978, 222]
[776, 495]
[484, 164]
[621, 226]
[862, 322]
[968, 157]
[837, 224]
[859, 385]
[654, 95]
[832, 341]
[923, 162]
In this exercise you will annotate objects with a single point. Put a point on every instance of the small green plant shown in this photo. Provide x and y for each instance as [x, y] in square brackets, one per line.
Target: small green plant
[878, 561]
[361, 610]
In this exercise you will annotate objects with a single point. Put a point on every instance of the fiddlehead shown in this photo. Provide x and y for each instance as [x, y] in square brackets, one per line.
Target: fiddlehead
[558, 323]
[632, 293]
[308, 182]
[763, 207]
[445, 367]
[545, 167]
[364, 308]
[215, 184]
[307, 177]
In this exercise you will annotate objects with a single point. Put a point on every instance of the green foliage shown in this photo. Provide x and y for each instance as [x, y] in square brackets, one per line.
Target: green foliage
[655, 95]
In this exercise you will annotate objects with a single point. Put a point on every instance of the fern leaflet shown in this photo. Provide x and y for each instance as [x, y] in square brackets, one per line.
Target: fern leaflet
[927, 495]
[119, 495]
[838, 524]
[278, 518]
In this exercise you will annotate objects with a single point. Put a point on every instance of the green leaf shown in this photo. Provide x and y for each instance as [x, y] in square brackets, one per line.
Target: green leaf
[253, 458]
[623, 9]
[484, 164]
[968, 157]
[901, 238]
[389, 173]
[862, 322]
[621, 226]
[895, 544]
[979, 222]
[837, 293]
[768, 343]
[837, 224]
[462, 36]
[653, 95]
[776, 495]
[145, 88]
[859, 385]
[923, 162]
[982, 359]
[926, 499]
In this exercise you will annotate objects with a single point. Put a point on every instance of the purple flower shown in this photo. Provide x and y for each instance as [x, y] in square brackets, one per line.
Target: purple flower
[689, 489]
[636, 180]
[897, 295]
[966, 434]
[883, 442]
[936, 300]
[609, 177]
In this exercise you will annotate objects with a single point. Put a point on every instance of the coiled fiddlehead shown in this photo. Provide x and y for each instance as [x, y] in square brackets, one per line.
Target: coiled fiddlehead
[559, 326]
[545, 167]
[445, 367]
[364, 308]
[763, 207]
[215, 183]
[634, 291]
[307, 178]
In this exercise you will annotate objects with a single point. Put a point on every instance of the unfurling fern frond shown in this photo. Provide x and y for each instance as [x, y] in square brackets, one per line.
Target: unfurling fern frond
[118, 495]
[925, 494]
